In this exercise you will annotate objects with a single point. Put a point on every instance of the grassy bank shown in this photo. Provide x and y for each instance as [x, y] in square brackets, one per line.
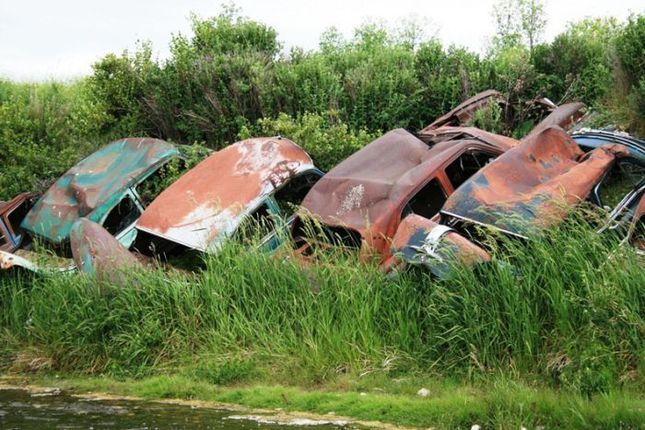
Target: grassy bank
[496, 402]
[558, 319]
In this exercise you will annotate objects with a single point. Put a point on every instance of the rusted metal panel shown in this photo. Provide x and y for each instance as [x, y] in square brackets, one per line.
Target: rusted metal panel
[445, 133]
[439, 248]
[563, 116]
[11, 215]
[36, 262]
[207, 203]
[534, 184]
[97, 253]
[368, 191]
[589, 139]
[466, 110]
[92, 187]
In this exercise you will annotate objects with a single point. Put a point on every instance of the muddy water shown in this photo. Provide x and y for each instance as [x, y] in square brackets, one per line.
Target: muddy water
[22, 410]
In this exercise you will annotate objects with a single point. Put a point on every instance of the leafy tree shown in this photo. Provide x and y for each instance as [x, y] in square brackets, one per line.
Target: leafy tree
[519, 21]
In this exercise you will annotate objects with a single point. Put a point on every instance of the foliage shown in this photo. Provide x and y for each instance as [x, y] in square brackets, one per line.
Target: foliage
[565, 307]
[630, 45]
[44, 128]
[229, 78]
[518, 21]
[577, 64]
[327, 140]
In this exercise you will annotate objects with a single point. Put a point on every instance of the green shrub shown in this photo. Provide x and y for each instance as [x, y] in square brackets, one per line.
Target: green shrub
[327, 140]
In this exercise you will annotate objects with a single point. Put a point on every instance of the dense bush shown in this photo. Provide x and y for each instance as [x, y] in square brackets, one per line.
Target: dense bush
[630, 49]
[44, 129]
[230, 79]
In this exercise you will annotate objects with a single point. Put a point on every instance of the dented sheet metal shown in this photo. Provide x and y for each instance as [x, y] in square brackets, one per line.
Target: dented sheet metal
[439, 248]
[445, 133]
[533, 185]
[466, 110]
[208, 203]
[11, 215]
[94, 185]
[96, 252]
[36, 262]
[589, 139]
[563, 116]
[368, 191]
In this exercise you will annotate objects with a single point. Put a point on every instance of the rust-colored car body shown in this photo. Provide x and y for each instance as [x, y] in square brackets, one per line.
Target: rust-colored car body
[368, 193]
[532, 185]
[97, 253]
[465, 111]
[421, 241]
[208, 203]
[564, 116]
[11, 215]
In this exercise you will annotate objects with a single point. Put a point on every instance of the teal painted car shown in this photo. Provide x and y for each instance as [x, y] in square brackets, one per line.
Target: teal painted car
[111, 187]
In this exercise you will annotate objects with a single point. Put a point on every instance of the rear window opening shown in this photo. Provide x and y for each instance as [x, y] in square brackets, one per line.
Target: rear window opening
[18, 214]
[309, 236]
[3, 240]
[256, 225]
[293, 193]
[428, 201]
[466, 165]
[623, 177]
[168, 251]
[121, 216]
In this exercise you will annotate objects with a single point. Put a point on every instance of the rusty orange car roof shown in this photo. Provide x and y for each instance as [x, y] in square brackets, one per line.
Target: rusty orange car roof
[209, 201]
[466, 110]
[532, 185]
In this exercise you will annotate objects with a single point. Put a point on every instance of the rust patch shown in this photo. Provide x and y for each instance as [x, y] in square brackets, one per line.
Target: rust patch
[466, 110]
[533, 185]
[207, 203]
[98, 253]
[420, 241]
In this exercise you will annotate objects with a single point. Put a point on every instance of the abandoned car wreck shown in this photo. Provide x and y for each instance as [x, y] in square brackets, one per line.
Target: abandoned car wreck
[110, 187]
[406, 199]
[366, 198]
[261, 180]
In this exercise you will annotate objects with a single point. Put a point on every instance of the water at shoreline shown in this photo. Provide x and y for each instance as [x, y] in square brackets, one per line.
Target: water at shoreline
[54, 410]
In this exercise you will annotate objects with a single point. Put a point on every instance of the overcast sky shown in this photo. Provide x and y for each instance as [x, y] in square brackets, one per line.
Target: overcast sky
[62, 38]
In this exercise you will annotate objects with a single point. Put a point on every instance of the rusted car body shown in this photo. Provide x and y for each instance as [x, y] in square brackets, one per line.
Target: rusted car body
[364, 199]
[260, 179]
[97, 253]
[11, 215]
[423, 242]
[465, 111]
[533, 185]
[528, 188]
[104, 187]
[563, 116]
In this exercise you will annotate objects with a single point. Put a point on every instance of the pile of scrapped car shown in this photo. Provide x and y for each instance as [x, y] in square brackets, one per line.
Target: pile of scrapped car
[409, 199]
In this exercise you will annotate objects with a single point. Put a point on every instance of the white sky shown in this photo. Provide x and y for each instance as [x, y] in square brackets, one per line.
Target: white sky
[42, 39]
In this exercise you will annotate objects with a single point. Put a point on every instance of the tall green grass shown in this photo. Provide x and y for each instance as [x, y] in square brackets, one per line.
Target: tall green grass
[565, 308]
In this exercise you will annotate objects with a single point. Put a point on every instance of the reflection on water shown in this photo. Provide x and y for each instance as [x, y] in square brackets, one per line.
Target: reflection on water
[22, 410]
